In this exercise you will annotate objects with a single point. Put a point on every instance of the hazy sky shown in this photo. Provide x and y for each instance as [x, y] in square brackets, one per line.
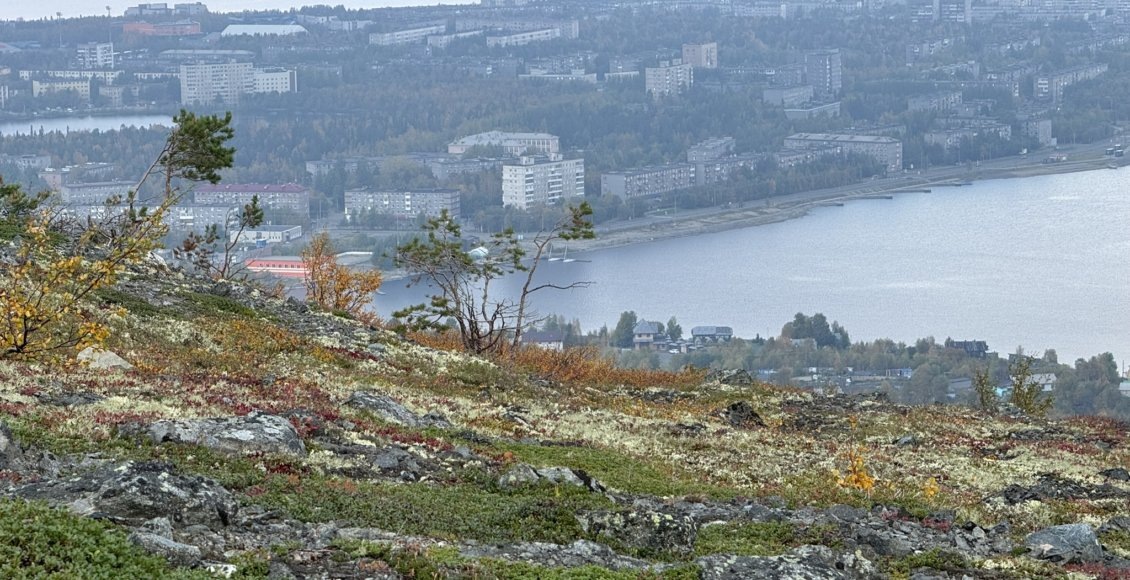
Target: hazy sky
[12, 9]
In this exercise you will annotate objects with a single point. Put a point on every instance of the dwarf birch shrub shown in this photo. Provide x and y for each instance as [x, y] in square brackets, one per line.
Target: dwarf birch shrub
[53, 266]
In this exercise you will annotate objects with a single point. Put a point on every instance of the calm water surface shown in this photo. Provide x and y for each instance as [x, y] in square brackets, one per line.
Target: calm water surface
[1042, 262]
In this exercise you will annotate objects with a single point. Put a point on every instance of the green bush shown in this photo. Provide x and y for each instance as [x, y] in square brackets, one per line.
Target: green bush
[37, 541]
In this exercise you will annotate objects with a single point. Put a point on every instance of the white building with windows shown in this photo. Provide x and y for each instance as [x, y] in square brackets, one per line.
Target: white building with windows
[206, 83]
[407, 36]
[512, 143]
[887, 150]
[92, 55]
[537, 180]
[402, 203]
[669, 78]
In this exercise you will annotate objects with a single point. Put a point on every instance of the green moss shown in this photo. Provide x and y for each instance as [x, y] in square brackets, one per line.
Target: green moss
[614, 469]
[251, 566]
[134, 304]
[232, 471]
[1117, 541]
[210, 303]
[936, 559]
[466, 511]
[37, 541]
[761, 538]
[475, 373]
[446, 563]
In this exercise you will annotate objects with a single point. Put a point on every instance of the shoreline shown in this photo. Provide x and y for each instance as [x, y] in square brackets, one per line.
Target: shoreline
[798, 205]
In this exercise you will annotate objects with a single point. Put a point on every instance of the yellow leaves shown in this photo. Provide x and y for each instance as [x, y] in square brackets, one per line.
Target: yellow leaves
[857, 475]
[335, 287]
[45, 290]
[930, 488]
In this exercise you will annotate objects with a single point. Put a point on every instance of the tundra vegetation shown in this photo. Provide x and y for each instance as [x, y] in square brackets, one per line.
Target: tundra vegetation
[356, 451]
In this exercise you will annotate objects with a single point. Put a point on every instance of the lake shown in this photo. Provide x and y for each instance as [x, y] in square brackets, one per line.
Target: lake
[1042, 262]
[88, 123]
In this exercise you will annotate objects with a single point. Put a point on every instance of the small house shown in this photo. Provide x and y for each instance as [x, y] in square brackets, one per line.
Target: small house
[547, 339]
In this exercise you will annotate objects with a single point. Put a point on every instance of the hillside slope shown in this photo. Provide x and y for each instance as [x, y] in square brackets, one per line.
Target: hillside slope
[252, 437]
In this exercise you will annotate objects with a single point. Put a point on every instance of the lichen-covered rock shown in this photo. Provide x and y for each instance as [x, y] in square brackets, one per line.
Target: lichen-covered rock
[1065, 544]
[11, 455]
[649, 531]
[805, 562]
[255, 431]
[742, 415]
[102, 359]
[522, 474]
[174, 552]
[134, 492]
[733, 377]
[389, 410]
[579, 553]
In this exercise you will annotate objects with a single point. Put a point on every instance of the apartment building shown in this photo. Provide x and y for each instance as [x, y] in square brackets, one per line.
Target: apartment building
[407, 36]
[512, 143]
[709, 149]
[940, 101]
[524, 38]
[887, 150]
[205, 83]
[788, 96]
[47, 87]
[701, 55]
[289, 197]
[95, 55]
[669, 78]
[538, 180]
[824, 72]
[647, 181]
[93, 193]
[276, 80]
[401, 203]
[1049, 87]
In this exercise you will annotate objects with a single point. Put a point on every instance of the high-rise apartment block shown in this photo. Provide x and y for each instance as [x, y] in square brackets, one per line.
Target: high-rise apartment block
[92, 55]
[669, 78]
[538, 180]
[824, 72]
[701, 55]
[206, 83]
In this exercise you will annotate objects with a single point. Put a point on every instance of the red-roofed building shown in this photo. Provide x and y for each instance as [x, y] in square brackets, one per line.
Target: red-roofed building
[281, 266]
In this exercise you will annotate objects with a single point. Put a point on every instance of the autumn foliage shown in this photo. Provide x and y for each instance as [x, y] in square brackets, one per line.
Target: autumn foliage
[52, 266]
[335, 287]
[582, 365]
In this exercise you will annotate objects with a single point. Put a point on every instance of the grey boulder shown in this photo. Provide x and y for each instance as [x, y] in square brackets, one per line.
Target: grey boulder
[255, 431]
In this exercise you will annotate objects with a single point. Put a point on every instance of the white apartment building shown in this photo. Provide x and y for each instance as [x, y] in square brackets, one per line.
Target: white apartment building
[403, 203]
[276, 80]
[535, 180]
[408, 36]
[669, 78]
[513, 143]
[205, 83]
[40, 88]
[523, 38]
[290, 197]
[887, 150]
[210, 82]
[93, 55]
